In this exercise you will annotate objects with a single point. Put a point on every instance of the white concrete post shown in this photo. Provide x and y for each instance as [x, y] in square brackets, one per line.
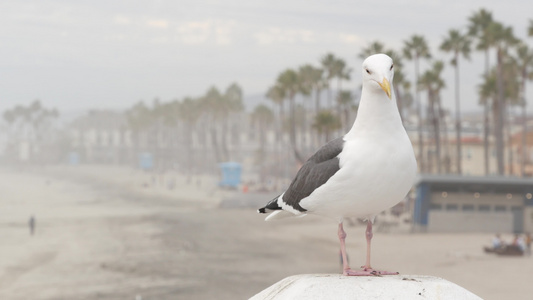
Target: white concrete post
[337, 286]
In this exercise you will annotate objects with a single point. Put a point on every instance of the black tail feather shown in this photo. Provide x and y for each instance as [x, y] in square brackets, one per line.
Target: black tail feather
[271, 205]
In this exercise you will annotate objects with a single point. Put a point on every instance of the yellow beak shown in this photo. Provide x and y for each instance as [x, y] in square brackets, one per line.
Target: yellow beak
[385, 85]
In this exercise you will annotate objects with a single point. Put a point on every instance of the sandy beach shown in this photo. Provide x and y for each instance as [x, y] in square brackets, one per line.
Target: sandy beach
[119, 233]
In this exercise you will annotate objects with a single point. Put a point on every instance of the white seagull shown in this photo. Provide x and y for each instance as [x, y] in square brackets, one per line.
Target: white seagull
[368, 170]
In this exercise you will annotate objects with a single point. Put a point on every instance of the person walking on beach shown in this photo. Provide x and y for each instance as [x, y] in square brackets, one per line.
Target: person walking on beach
[31, 223]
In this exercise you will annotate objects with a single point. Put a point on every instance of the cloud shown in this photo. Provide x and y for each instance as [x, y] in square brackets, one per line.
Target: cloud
[210, 31]
[223, 32]
[121, 20]
[194, 32]
[350, 39]
[157, 23]
[277, 35]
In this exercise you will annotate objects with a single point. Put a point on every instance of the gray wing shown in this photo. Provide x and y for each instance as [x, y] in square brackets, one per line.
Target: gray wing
[314, 173]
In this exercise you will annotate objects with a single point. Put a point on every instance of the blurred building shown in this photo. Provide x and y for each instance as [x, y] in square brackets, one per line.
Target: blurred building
[473, 149]
[106, 137]
[522, 155]
[446, 203]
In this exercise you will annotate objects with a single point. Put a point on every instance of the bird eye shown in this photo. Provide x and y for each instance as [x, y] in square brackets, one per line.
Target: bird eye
[391, 66]
[368, 71]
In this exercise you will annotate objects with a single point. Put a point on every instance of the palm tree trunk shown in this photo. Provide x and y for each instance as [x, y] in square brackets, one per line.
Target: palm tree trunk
[190, 153]
[500, 110]
[317, 100]
[214, 141]
[224, 144]
[329, 95]
[436, 130]
[262, 144]
[303, 133]
[279, 129]
[523, 160]
[292, 131]
[347, 117]
[316, 137]
[458, 117]
[339, 107]
[486, 134]
[419, 115]
[510, 154]
[442, 121]
[486, 114]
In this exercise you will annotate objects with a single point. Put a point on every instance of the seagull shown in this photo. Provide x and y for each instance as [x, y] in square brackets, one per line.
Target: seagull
[368, 170]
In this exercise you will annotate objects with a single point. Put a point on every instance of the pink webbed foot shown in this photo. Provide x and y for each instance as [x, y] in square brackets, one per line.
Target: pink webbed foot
[350, 272]
[378, 272]
[367, 272]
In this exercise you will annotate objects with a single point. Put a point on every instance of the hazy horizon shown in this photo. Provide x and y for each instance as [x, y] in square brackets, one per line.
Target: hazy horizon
[99, 55]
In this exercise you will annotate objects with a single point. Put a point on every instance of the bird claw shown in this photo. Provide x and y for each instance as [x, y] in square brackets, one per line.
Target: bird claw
[378, 273]
[367, 272]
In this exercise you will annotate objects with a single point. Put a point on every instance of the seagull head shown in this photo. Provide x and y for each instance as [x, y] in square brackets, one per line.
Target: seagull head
[378, 71]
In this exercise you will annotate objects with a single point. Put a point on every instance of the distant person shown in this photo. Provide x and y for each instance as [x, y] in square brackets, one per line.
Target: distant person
[497, 242]
[31, 224]
[519, 242]
[528, 244]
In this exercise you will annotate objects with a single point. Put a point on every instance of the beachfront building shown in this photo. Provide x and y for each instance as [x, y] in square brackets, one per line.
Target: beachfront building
[473, 204]
[521, 155]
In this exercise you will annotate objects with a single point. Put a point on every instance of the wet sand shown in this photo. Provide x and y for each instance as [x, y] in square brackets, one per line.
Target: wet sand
[115, 233]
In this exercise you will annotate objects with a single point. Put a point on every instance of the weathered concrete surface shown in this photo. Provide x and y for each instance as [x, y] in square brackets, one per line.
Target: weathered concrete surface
[337, 286]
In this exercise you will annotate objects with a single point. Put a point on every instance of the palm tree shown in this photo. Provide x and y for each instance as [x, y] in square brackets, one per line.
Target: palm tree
[530, 28]
[325, 123]
[459, 45]
[139, 119]
[342, 72]
[432, 82]
[328, 64]
[306, 75]
[189, 112]
[512, 99]
[213, 105]
[262, 117]
[503, 38]
[290, 82]
[374, 47]
[400, 80]
[488, 89]
[166, 118]
[318, 84]
[345, 102]
[479, 28]
[414, 49]
[525, 65]
[33, 124]
[232, 104]
[277, 95]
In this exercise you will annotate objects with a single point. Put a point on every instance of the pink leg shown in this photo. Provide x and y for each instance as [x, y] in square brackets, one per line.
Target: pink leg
[367, 267]
[368, 235]
[346, 269]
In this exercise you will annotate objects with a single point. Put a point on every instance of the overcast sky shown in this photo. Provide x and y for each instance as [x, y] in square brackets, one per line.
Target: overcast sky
[77, 55]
